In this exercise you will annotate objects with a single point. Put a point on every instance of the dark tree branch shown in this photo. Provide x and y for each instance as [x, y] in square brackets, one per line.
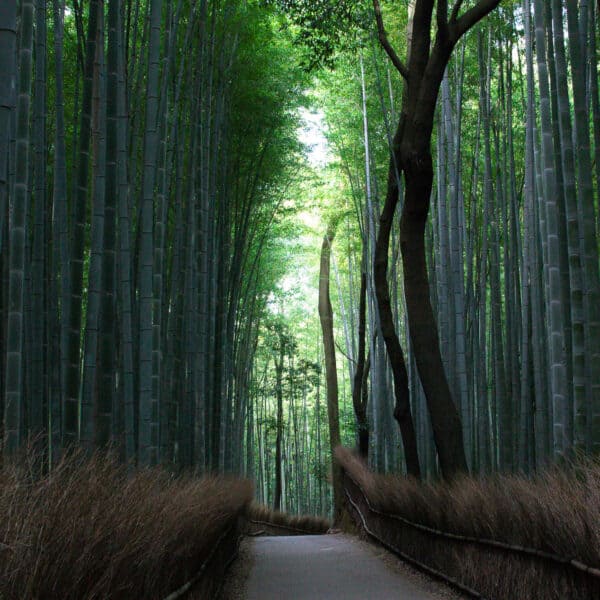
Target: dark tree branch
[400, 66]
[442, 16]
[461, 25]
[344, 353]
[420, 38]
[455, 11]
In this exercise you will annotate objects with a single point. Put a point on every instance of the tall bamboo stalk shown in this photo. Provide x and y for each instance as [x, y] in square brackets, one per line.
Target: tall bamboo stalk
[13, 403]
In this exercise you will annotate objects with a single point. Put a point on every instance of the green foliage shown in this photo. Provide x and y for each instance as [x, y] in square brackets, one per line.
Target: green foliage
[322, 28]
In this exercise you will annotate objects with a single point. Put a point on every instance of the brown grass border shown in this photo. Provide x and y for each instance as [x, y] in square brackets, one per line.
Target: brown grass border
[91, 531]
[498, 538]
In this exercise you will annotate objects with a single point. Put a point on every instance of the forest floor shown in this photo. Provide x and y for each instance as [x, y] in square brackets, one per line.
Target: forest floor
[325, 567]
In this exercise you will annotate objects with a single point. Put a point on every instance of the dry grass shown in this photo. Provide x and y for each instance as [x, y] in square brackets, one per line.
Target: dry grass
[278, 523]
[557, 512]
[88, 531]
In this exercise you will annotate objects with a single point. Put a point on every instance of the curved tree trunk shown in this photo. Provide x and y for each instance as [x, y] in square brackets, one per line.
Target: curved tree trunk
[359, 400]
[426, 64]
[445, 420]
[402, 412]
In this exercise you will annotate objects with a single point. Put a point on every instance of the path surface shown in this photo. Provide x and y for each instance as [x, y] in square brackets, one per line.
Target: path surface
[324, 567]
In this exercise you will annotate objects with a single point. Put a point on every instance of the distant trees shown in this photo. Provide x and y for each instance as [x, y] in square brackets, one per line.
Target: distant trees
[288, 454]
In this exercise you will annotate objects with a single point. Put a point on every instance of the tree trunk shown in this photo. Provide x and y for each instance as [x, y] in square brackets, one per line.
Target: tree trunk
[124, 286]
[77, 250]
[358, 400]
[107, 341]
[326, 317]
[13, 407]
[38, 388]
[445, 419]
[279, 425]
[587, 231]
[60, 227]
[412, 156]
[8, 35]
[562, 424]
[89, 387]
[148, 397]
[402, 412]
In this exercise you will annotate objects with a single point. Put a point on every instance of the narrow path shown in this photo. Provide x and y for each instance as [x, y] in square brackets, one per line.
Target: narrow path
[324, 567]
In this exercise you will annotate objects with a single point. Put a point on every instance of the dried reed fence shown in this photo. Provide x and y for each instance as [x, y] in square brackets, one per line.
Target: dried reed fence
[88, 530]
[262, 520]
[501, 538]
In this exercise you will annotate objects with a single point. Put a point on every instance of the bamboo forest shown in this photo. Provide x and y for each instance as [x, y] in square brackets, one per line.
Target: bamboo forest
[280, 267]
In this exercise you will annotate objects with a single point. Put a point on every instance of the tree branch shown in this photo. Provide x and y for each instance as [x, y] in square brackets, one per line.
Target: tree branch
[455, 11]
[461, 25]
[385, 42]
[442, 15]
[344, 353]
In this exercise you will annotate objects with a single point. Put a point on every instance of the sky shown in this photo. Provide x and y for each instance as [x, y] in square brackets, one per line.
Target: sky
[312, 135]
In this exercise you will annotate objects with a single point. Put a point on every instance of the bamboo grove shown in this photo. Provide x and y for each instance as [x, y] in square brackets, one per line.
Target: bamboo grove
[154, 198]
[512, 246]
[511, 237]
[146, 149]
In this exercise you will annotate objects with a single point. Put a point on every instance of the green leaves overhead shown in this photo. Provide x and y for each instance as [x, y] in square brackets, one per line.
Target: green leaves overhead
[321, 28]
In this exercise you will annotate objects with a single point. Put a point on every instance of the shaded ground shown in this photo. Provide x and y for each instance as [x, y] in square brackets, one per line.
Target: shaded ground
[325, 567]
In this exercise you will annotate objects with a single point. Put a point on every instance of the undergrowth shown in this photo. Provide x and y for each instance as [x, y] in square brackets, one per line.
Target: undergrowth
[557, 512]
[88, 530]
[274, 522]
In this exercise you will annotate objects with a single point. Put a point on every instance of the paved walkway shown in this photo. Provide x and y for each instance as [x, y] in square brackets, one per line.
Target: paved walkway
[323, 567]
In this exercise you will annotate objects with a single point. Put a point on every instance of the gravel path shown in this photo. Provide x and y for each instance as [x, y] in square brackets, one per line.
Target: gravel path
[326, 567]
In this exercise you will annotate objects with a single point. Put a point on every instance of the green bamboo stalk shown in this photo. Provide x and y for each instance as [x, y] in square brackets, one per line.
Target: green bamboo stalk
[148, 398]
[8, 35]
[77, 251]
[13, 407]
